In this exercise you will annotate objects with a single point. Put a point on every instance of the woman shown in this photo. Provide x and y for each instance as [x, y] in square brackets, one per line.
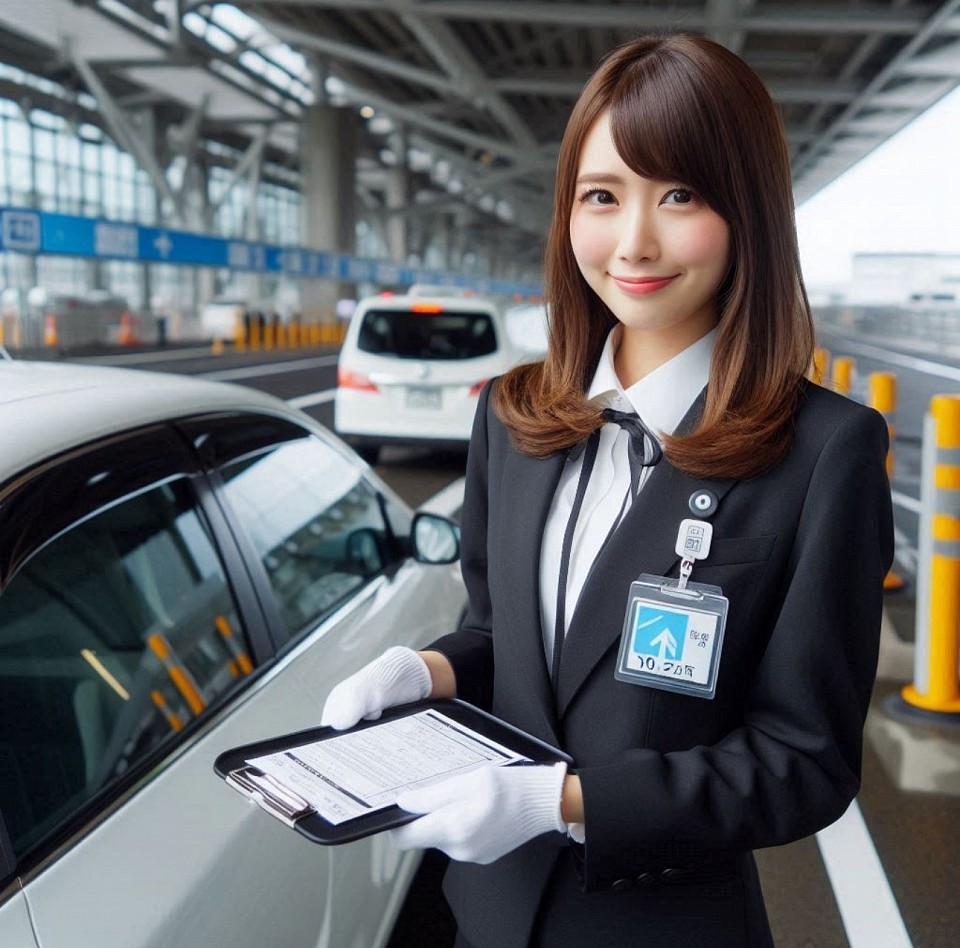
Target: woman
[675, 291]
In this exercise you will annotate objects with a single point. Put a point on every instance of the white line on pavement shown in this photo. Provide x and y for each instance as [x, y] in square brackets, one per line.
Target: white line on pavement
[274, 368]
[867, 906]
[314, 398]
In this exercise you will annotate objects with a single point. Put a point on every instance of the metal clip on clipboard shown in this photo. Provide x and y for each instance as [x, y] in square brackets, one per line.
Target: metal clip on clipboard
[269, 794]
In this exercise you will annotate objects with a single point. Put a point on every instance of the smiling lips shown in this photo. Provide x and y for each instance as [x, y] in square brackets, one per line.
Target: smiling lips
[638, 286]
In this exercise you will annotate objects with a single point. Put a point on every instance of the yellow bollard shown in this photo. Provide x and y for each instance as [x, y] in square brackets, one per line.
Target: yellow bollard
[254, 333]
[293, 334]
[882, 396]
[239, 337]
[181, 678]
[268, 336]
[281, 336]
[936, 687]
[842, 379]
[821, 362]
[217, 347]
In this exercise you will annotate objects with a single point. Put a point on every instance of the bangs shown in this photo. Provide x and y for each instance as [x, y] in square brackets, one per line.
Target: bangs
[662, 129]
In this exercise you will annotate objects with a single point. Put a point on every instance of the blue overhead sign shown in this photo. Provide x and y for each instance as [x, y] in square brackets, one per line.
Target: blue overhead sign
[41, 232]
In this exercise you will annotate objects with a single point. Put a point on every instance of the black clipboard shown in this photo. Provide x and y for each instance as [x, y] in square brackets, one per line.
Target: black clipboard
[296, 813]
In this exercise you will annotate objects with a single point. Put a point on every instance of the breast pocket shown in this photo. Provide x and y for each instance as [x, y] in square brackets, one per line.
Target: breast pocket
[737, 565]
[733, 551]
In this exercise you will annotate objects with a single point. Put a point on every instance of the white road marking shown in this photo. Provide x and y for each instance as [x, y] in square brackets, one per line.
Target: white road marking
[274, 368]
[312, 399]
[871, 917]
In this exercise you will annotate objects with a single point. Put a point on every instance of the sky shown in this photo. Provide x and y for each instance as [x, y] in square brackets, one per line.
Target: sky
[904, 196]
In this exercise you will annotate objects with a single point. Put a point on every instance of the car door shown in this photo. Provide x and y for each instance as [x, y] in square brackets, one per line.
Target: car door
[195, 590]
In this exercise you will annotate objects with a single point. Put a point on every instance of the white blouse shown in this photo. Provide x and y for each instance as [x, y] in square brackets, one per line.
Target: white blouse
[661, 399]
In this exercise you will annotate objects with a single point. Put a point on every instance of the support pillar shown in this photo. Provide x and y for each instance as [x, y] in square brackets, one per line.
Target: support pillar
[328, 144]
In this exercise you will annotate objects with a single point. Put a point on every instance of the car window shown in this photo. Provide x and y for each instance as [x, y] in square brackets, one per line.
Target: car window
[315, 523]
[114, 636]
[427, 335]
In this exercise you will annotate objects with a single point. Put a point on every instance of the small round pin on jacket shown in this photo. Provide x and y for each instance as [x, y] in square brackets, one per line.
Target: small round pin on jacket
[703, 503]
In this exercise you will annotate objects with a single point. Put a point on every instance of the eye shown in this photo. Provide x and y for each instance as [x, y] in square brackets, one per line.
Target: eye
[599, 196]
[679, 196]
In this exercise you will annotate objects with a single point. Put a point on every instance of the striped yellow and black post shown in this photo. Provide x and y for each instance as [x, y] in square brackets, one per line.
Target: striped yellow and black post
[841, 379]
[882, 396]
[179, 676]
[935, 691]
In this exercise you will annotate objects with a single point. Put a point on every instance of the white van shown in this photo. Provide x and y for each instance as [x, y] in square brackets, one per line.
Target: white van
[411, 368]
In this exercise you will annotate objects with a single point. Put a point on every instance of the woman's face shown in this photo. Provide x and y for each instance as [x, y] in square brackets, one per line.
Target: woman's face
[652, 250]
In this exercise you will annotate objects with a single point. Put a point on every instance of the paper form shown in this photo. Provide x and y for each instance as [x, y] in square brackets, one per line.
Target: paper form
[362, 771]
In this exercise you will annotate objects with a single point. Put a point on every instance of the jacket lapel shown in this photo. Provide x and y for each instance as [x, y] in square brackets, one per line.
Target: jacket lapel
[527, 490]
[643, 543]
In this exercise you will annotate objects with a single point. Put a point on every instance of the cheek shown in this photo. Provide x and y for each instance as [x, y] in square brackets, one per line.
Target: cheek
[707, 244]
[588, 240]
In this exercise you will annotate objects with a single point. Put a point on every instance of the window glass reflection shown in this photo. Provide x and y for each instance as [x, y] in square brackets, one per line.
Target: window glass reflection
[315, 523]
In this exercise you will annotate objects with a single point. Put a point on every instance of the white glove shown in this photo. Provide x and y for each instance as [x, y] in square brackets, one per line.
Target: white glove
[482, 815]
[398, 676]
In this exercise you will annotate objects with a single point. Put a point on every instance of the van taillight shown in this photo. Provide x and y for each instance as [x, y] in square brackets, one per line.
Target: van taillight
[426, 308]
[354, 380]
[477, 387]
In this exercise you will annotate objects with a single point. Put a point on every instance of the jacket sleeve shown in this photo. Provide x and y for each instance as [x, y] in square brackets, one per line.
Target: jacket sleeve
[794, 764]
[470, 648]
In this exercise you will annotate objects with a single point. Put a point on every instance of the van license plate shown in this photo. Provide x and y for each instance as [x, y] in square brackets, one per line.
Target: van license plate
[422, 397]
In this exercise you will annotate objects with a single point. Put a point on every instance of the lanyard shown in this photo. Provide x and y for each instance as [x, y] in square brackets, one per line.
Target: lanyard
[646, 454]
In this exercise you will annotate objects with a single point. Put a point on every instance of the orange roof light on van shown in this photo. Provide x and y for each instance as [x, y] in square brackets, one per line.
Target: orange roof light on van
[426, 308]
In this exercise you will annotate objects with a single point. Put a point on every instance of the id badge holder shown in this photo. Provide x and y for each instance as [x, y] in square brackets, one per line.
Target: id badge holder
[673, 633]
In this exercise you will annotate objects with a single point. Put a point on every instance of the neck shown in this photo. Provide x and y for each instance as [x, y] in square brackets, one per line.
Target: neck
[639, 352]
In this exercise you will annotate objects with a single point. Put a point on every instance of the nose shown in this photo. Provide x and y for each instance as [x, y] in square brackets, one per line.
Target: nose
[638, 239]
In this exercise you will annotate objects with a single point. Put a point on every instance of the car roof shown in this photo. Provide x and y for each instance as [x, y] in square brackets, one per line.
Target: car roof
[47, 408]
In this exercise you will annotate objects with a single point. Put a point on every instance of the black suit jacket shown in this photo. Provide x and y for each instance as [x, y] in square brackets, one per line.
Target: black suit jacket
[673, 782]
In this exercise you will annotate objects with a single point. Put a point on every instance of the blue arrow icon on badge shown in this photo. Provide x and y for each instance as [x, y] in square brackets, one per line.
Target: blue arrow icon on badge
[658, 632]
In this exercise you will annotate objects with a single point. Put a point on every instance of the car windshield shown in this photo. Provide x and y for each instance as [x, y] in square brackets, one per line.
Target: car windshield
[427, 335]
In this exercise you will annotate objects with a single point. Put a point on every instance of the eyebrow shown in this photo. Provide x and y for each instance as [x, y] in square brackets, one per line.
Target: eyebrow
[599, 179]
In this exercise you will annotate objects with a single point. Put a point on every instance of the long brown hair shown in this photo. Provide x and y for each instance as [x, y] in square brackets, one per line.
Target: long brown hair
[682, 108]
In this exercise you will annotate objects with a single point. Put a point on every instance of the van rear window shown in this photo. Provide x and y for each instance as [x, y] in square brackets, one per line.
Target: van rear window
[407, 335]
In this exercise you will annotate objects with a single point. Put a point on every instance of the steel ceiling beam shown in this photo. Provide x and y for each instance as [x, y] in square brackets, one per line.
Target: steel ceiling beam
[812, 20]
[345, 52]
[456, 60]
[872, 93]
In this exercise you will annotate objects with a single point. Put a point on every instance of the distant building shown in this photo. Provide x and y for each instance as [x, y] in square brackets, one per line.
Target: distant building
[905, 279]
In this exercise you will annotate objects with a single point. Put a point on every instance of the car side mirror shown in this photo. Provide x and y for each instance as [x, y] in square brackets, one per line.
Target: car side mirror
[434, 539]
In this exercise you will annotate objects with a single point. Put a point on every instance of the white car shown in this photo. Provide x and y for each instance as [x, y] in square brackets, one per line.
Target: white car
[185, 567]
[411, 368]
